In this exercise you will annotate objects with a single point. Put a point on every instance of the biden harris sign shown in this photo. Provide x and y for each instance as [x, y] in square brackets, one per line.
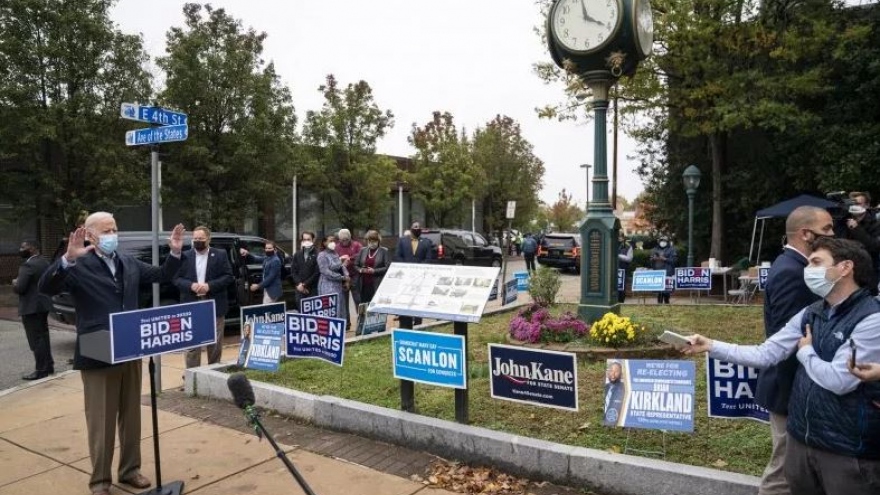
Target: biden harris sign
[149, 332]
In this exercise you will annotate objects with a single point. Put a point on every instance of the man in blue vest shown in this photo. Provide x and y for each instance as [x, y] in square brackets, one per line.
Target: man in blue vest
[833, 444]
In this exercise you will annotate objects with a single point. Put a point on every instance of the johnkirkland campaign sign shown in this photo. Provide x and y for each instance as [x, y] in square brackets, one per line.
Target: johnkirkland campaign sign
[316, 337]
[149, 332]
[541, 378]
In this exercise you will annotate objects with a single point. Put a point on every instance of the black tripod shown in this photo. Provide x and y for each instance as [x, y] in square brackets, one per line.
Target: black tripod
[253, 418]
[175, 487]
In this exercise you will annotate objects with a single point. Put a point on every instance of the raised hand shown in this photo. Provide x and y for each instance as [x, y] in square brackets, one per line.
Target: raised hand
[76, 245]
[175, 242]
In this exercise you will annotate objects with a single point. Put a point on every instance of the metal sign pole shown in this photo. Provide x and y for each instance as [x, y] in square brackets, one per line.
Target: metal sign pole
[154, 211]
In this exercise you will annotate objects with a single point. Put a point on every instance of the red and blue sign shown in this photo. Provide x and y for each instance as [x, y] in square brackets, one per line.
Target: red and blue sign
[326, 305]
[731, 391]
[536, 377]
[150, 332]
[763, 273]
[315, 337]
[693, 278]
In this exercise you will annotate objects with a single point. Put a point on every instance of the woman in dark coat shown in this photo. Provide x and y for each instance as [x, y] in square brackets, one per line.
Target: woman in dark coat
[371, 263]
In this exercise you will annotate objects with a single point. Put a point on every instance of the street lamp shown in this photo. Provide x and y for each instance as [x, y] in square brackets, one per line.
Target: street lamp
[691, 178]
[586, 167]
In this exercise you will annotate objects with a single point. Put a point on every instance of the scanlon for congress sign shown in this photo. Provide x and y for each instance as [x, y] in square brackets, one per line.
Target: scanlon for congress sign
[541, 378]
[430, 358]
[149, 332]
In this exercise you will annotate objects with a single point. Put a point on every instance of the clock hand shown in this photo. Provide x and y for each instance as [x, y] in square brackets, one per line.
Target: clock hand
[588, 17]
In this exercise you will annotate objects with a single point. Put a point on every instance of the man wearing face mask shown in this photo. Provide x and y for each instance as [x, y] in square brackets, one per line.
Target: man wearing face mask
[205, 274]
[33, 308]
[414, 249]
[833, 425]
[862, 226]
[304, 268]
[664, 257]
[785, 294]
[102, 281]
[270, 284]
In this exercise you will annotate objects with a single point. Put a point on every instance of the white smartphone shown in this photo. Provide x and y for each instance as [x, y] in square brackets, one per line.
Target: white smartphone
[674, 339]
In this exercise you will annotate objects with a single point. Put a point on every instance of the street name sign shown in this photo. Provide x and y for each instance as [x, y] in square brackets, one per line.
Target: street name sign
[153, 135]
[152, 115]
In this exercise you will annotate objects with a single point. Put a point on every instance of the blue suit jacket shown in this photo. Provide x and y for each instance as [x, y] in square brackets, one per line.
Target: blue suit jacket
[218, 276]
[271, 281]
[97, 293]
[785, 294]
[404, 252]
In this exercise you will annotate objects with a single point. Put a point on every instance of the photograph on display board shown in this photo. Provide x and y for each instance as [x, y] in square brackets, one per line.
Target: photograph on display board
[615, 393]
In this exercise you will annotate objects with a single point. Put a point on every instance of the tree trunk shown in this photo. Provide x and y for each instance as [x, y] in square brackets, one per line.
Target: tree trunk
[718, 148]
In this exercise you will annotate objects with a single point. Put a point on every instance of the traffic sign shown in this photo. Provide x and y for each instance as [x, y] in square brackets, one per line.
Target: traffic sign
[153, 115]
[152, 135]
[511, 209]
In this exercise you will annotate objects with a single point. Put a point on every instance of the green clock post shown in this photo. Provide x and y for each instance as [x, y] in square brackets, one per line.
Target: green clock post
[600, 41]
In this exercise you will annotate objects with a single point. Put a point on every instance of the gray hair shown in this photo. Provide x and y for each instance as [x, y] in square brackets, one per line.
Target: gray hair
[344, 234]
[96, 217]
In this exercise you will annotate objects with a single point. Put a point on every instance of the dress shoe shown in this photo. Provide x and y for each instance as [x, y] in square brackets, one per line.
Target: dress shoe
[137, 481]
[36, 375]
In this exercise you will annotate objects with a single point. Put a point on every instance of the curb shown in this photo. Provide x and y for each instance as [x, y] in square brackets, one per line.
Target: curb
[562, 464]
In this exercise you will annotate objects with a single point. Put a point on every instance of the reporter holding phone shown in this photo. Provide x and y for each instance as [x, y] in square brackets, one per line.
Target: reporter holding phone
[833, 421]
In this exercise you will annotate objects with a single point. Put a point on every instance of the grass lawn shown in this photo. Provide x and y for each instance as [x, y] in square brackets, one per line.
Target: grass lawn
[742, 446]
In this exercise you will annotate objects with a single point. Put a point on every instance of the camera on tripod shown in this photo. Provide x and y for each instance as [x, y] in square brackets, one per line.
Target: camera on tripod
[841, 210]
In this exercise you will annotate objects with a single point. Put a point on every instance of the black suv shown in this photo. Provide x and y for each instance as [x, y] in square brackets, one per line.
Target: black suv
[139, 245]
[560, 250]
[462, 247]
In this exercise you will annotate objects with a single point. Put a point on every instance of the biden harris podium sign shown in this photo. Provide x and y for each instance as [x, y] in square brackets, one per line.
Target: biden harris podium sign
[149, 332]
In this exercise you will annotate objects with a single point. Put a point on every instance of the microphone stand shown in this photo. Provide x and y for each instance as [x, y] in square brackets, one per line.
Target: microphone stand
[253, 418]
[175, 487]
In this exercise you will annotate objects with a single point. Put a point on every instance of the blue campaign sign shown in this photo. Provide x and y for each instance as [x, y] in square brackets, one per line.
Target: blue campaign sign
[510, 291]
[493, 294]
[657, 395]
[763, 272]
[153, 135]
[368, 323]
[693, 278]
[153, 115]
[316, 337]
[431, 358]
[326, 305]
[731, 391]
[649, 280]
[621, 279]
[531, 376]
[262, 350]
[149, 332]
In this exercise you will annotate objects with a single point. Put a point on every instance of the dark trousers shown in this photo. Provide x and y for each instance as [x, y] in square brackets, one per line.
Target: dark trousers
[812, 471]
[36, 328]
[530, 262]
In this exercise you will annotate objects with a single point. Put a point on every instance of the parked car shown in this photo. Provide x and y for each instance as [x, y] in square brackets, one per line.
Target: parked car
[139, 245]
[462, 247]
[560, 250]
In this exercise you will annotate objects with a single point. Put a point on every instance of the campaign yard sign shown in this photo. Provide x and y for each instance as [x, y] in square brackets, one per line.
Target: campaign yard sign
[530, 376]
[763, 272]
[510, 291]
[262, 349]
[693, 278]
[149, 332]
[731, 391]
[649, 281]
[326, 305]
[621, 279]
[315, 337]
[262, 313]
[650, 394]
[368, 323]
[430, 358]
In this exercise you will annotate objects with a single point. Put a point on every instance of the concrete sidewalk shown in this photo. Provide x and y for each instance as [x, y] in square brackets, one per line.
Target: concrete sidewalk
[43, 447]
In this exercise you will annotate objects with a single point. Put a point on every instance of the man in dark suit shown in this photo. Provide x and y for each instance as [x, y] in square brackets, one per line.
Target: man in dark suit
[414, 249]
[615, 390]
[205, 273]
[304, 268]
[33, 308]
[102, 281]
[785, 294]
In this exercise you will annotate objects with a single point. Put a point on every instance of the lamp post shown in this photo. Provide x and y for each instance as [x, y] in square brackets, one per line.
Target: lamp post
[691, 178]
[586, 167]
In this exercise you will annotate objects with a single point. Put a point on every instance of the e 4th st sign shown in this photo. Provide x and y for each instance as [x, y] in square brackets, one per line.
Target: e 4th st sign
[152, 115]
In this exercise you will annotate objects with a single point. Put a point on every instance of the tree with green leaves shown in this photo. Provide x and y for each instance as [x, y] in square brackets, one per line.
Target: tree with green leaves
[242, 123]
[445, 176]
[512, 171]
[565, 214]
[64, 70]
[343, 165]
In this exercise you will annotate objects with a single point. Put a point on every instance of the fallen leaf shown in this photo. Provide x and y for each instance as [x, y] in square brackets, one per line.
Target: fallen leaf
[720, 463]
[584, 426]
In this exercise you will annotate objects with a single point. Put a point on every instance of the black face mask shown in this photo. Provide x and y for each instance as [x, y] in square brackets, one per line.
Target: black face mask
[200, 245]
[416, 233]
[24, 253]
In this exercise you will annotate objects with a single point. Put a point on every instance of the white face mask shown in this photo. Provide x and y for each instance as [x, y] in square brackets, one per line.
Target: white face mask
[856, 210]
[814, 277]
[663, 244]
[331, 246]
[307, 244]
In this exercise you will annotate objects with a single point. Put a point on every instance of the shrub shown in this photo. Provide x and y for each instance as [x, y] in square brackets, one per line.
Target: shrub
[534, 324]
[617, 331]
[544, 284]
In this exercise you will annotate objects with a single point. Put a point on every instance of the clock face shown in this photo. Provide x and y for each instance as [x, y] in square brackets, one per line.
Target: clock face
[644, 26]
[585, 25]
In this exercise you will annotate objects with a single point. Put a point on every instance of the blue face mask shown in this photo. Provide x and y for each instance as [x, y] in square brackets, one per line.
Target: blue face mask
[814, 277]
[107, 243]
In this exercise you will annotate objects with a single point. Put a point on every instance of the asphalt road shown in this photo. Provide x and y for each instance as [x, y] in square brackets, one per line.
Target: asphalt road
[16, 358]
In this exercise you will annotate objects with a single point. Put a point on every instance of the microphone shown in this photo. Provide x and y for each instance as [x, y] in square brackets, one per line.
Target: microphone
[242, 391]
